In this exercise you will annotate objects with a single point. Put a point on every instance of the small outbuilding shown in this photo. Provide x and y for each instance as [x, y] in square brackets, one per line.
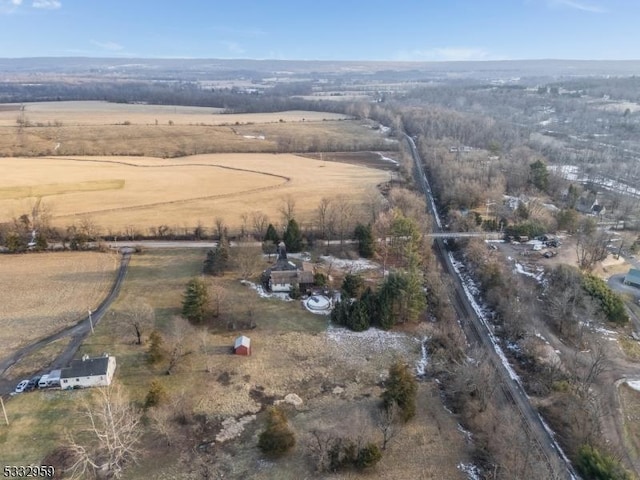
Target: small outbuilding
[242, 346]
[88, 372]
[633, 278]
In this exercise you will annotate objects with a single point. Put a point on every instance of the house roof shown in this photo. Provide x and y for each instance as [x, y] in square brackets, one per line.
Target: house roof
[633, 276]
[86, 367]
[242, 341]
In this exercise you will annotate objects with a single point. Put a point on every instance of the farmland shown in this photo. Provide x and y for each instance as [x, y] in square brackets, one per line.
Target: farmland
[142, 166]
[43, 294]
[147, 192]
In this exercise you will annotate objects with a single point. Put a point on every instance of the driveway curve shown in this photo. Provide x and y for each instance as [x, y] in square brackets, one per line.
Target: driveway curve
[77, 332]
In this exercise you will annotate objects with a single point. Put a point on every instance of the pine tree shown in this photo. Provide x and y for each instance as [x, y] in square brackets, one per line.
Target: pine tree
[292, 236]
[401, 390]
[364, 236]
[271, 235]
[194, 304]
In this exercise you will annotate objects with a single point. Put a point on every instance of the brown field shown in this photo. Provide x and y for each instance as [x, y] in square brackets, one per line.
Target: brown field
[293, 352]
[44, 293]
[105, 113]
[116, 193]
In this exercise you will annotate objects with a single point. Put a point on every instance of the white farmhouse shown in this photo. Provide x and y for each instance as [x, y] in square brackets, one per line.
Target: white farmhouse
[88, 372]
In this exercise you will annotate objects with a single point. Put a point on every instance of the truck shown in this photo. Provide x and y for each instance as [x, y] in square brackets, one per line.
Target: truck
[50, 380]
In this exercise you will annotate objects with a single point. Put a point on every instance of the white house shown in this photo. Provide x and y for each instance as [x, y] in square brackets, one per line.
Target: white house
[88, 372]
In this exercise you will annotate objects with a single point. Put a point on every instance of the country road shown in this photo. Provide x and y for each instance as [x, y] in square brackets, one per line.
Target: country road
[77, 332]
[477, 330]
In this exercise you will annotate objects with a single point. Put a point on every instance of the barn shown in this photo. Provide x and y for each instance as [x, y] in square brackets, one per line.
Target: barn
[88, 372]
[242, 346]
[633, 278]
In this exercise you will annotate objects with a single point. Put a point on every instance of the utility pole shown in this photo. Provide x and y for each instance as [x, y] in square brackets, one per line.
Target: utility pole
[91, 322]
[6, 419]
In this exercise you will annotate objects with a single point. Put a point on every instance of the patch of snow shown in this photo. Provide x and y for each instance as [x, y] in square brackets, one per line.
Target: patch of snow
[353, 266]
[467, 434]
[470, 470]
[635, 384]
[254, 137]
[421, 365]
[387, 159]
[374, 339]
[262, 293]
[232, 428]
[470, 287]
[520, 269]
[384, 129]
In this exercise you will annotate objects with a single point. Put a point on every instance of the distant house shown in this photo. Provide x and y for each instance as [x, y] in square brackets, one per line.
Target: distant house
[633, 278]
[285, 274]
[242, 346]
[88, 372]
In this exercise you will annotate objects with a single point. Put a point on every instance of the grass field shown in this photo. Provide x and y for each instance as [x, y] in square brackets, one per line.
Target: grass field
[148, 192]
[630, 411]
[105, 113]
[44, 293]
[335, 373]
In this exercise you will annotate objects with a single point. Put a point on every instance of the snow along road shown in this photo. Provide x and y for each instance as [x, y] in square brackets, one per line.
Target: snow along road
[476, 327]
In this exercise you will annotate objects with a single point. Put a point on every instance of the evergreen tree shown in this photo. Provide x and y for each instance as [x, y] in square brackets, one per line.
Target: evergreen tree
[218, 258]
[194, 304]
[357, 319]
[401, 389]
[364, 236]
[271, 235]
[292, 236]
[352, 285]
[539, 176]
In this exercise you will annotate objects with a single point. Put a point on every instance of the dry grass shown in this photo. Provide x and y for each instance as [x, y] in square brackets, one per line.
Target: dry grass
[38, 360]
[104, 113]
[147, 192]
[630, 410]
[44, 293]
[292, 353]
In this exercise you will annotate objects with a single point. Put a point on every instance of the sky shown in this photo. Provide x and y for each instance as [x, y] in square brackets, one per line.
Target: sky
[404, 30]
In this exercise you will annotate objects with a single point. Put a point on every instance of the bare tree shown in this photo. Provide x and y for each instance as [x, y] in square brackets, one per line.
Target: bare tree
[162, 422]
[260, 222]
[141, 316]
[180, 343]
[109, 442]
[218, 296]
[247, 257]
[591, 245]
[387, 423]
[343, 213]
[220, 227]
[287, 209]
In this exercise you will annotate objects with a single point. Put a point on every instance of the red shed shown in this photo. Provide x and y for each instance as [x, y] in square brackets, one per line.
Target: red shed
[242, 346]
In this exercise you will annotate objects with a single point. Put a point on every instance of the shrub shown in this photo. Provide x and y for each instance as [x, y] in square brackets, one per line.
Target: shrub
[155, 352]
[596, 465]
[368, 456]
[610, 302]
[156, 394]
[277, 439]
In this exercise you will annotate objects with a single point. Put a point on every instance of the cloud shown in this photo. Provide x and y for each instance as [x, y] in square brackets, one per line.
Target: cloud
[577, 5]
[111, 46]
[233, 47]
[9, 6]
[446, 54]
[47, 4]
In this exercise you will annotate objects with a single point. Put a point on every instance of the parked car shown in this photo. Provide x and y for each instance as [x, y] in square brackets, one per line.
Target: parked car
[21, 386]
[33, 383]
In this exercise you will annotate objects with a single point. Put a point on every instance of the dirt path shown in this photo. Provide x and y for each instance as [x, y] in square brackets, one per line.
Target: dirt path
[77, 332]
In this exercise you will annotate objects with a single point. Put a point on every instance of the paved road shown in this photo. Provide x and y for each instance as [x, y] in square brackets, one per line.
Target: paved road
[78, 332]
[475, 328]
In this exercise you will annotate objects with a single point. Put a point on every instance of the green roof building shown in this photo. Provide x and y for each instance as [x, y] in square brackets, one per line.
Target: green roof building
[633, 278]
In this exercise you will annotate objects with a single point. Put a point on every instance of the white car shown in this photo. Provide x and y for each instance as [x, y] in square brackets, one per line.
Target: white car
[21, 386]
